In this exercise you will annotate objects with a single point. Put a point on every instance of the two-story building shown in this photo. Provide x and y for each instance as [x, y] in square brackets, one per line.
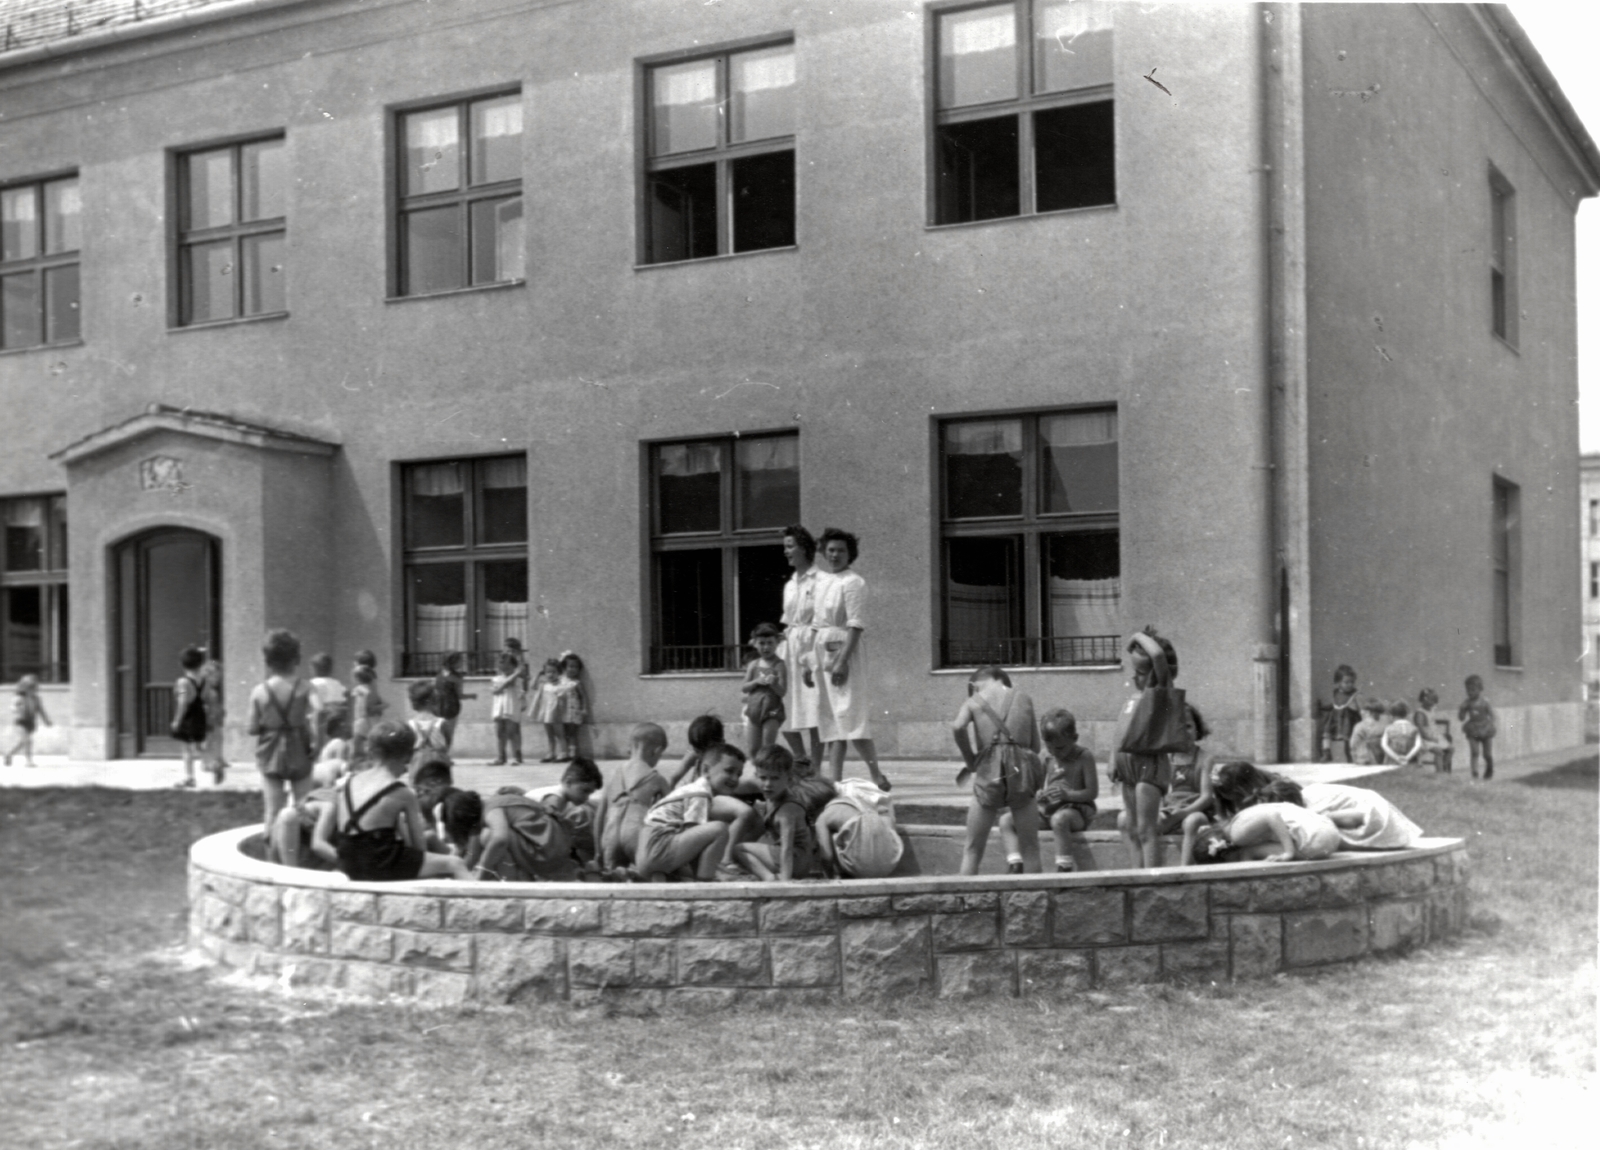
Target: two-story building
[413, 326]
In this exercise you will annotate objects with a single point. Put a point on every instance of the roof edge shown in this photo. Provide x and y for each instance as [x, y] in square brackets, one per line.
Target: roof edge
[139, 30]
[205, 424]
[1517, 41]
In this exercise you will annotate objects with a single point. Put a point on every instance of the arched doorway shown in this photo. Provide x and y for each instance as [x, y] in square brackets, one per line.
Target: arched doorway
[167, 597]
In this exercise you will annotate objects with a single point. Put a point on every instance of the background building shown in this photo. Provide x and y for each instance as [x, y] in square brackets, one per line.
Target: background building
[1591, 576]
[415, 326]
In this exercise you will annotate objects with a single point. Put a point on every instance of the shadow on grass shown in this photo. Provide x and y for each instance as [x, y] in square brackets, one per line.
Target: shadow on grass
[1582, 775]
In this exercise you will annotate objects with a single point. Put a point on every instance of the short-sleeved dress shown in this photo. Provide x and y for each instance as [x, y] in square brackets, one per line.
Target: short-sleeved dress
[561, 701]
[800, 640]
[1382, 826]
[843, 710]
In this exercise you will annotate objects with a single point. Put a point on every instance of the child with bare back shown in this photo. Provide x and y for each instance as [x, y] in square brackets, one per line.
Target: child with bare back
[280, 720]
[628, 794]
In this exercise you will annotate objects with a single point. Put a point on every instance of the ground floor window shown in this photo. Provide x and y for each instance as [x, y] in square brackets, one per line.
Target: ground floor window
[1030, 541]
[1507, 582]
[717, 513]
[33, 589]
[466, 561]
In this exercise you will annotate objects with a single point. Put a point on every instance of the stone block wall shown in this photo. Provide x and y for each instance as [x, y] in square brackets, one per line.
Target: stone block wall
[722, 943]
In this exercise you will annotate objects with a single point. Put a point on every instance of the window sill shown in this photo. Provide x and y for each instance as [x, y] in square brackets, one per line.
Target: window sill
[234, 322]
[677, 676]
[40, 347]
[1517, 667]
[1098, 668]
[725, 256]
[1015, 219]
[471, 289]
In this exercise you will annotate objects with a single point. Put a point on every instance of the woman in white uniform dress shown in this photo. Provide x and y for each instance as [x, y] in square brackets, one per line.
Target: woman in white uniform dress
[843, 675]
[799, 645]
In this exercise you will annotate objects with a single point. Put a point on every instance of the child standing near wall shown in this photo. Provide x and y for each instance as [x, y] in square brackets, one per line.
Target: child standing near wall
[280, 720]
[447, 696]
[1145, 778]
[1342, 718]
[327, 696]
[766, 682]
[1401, 741]
[506, 709]
[27, 712]
[427, 725]
[189, 711]
[541, 704]
[1366, 739]
[212, 698]
[1434, 726]
[1477, 724]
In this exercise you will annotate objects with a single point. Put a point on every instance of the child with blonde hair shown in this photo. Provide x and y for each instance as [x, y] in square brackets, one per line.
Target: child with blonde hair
[280, 721]
[628, 794]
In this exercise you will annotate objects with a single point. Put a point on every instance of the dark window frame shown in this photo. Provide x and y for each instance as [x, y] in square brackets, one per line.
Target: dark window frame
[464, 195]
[471, 554]
[235, 233]
[1503, 310]
[729, 539]
[724, 154]
[51, 580]
[1505, 562]
[1023, 106]
[41, 264]
[1034, 648]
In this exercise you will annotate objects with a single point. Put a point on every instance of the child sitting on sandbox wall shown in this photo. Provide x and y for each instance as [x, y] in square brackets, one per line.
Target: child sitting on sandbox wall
[1071, 786]
[374, 826]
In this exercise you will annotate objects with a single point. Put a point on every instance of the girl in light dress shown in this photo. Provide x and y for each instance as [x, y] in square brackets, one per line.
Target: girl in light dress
[561, 705]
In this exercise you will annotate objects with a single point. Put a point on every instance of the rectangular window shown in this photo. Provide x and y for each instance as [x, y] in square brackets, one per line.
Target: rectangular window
[466, 560]
[33, 589]
[1023, 121]
[41, 232]
[1594, 580]
[232, 207]
[460, 195]
[1594, 517]
[1502, 258]
[1031, 546]
[719, 163]
[1507, 576]
[717, 513]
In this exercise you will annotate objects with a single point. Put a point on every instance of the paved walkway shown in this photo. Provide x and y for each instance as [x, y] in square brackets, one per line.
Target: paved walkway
[915, 781]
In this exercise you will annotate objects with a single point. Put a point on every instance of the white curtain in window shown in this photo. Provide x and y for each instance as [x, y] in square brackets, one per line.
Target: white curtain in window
[441, 627]
[511, 472]
[500, 120]
[680, 460]
[689, 86]
[436, 479]
[1084, 607]
[1079, 428]
[779, 453]
[1002, 437]
[978, 614]
[504, 621]
[985, 33]
[761, 71]
[24, 512]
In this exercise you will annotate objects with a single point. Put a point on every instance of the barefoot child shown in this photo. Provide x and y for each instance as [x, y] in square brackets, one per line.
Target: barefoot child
[280, 721]
[1144, 778]
[328, 697]
[766, 682]
[1071, 785]
[1004, 768]
[1189, 805]
[628, 794]
[1477, 724]
[374, 826]
[189, 711]
[689, 826]
[787, 848]
[429, 727]
[211, 696]
[856, 834]
[541, 707]
[570, 801]
[506, 709]
[27, 712]
[447, 696]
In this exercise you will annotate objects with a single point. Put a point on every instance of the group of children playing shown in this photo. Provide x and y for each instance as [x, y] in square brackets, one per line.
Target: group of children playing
[1372, 732]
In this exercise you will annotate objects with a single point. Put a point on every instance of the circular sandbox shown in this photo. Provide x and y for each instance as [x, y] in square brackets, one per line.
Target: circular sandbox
[449, 942]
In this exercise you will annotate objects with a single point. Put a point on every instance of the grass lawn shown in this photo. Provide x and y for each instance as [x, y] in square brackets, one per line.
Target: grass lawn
[110, 1038]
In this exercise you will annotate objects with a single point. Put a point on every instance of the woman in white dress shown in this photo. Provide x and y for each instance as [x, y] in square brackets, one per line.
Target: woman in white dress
[1366, 821]
[799, 646]
[843, 676]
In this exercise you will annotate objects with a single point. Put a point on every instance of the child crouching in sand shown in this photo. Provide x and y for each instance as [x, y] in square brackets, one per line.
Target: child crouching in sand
[689, 826]
[787, 849]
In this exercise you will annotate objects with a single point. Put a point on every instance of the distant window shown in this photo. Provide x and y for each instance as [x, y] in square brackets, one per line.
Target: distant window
[1503, 258]
[1031, 540]
[719, 166]
[40, 234]
[466, 560]
[717, 514]
[232, 251]
[1507, 576]
[33, 589]
[460, 182]
[1024, 119]
[1594, 580]
[1594, 517]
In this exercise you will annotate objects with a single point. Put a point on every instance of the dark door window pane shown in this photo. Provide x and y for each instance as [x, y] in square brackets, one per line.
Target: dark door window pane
[19, 310]
[23, 639]
[497, 240]
[762, 573]
[769, 481]
[683, 213]
[433, 151]
[983, 468]
[684, 110]
[25, 526]
[1079, 461]
[210, 189]
[264, 175]
[977, 56]
[763, 202]
[689, 587]
[761, 94]
[208, 272]
[435, 505]
[983, 600]
[264, 291]
[61, 303]
[977, 177]
[434, 250]
[689, 487]
[1074, 157]
[504, 518]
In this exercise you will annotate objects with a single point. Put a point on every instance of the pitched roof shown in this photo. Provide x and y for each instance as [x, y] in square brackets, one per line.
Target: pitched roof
[29, 23]
[207, 424]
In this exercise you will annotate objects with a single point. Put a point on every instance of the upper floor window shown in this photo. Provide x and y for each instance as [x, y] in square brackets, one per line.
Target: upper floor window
[1023, 120]
[1031, 543]
[232, 204]
[717, 512]
[466, 560]
[1594, 517]
[460, 184]
[1594, 580]
[1506, 557]
[1502, 258]
[719, 165]
[40, 234]
[33, 589]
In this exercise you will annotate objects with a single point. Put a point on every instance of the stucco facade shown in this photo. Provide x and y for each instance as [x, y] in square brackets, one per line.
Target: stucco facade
[1283, 305]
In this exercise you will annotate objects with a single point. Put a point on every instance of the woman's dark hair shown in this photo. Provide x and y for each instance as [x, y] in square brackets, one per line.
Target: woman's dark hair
[461, 812]
[852, 543]
[191, 658]
[803, 539]
[1281, 790]
[705, 732]
[281, 651]
[1202, 729]
[1238, 784]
